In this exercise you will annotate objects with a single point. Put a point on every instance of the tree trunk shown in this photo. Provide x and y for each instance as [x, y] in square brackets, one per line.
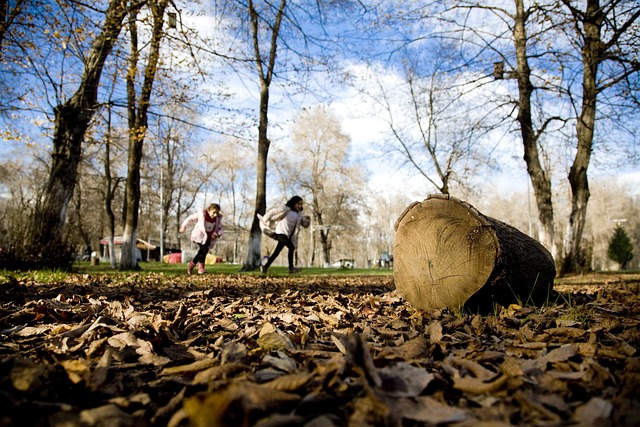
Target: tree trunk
[447, 254]
[71, 121]
[326, 245]
[111, 186]
[265, 74]
[255, 236]
[592, 54]
[540, 180]
[137, 130]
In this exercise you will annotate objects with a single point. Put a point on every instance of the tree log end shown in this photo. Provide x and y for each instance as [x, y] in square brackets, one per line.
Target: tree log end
[447, 254]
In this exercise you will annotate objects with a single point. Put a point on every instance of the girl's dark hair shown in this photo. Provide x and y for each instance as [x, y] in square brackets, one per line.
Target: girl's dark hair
[292, 201]
[214, 205]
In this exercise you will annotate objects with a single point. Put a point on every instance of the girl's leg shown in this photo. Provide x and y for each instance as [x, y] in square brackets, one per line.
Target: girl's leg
[292, 251]
[201, 256]
[274, 255]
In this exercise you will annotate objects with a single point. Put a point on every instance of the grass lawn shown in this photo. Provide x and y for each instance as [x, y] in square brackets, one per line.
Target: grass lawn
[85, 267]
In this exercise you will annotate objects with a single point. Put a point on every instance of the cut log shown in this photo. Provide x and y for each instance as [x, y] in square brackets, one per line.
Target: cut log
[447, 254]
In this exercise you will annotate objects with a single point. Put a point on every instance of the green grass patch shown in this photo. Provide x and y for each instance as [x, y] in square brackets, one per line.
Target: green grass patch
[39, 276]
[85, 267]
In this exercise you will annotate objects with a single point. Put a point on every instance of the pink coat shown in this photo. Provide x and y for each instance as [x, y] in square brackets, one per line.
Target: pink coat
[199, 234]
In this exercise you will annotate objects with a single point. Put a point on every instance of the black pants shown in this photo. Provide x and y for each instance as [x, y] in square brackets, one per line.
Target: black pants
[283, 241]
[203, 250]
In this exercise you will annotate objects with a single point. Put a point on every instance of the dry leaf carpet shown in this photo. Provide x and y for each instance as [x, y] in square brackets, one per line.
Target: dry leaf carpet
[220, 350]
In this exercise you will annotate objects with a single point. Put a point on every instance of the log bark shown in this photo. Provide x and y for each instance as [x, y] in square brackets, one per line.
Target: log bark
[449, 255]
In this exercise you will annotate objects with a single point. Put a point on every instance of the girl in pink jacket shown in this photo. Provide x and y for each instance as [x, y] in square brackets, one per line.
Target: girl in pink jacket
[207, 229]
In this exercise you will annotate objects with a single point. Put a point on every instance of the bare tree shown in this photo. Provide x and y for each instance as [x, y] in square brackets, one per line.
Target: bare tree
[138, 107]
[9, 11]
[532, 30]
[436, 130]
[10, 28]
[72, 119]
[603, 33]
[317, 165]
[265, 62]
[234, 177]
[111, 186]
[540, 178]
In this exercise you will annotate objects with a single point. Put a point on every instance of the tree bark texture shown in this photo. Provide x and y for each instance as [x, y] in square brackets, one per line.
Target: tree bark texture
[447, 254]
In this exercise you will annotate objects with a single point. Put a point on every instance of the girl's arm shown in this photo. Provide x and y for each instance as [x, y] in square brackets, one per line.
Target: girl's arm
[219, 228]
[276, 214]
[191, 219]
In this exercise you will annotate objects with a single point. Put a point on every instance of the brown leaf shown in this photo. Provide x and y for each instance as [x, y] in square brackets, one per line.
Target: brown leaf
[595, 413]
[274, 341]
[100, 372]
[407, 351]
[435, 332]
[539, 404]
[77, 369]
[358, 355]
[404, 380]
[281, 362]
[557, 355]
[143, 348]
[476, 386]
[566, 332]
[369, 411]
[216, 372]
[426, 409]
[196, 366]
[235, 405]
[478, 371]
[27, 375]
[478, 324]
[107, 415]
[174, 403]
[289, 382]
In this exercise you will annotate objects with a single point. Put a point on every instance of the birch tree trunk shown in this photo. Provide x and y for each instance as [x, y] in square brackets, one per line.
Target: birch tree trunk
[447, 254]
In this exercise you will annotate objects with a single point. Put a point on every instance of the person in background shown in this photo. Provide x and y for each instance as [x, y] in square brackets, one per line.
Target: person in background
[283, 225]
[207, 229]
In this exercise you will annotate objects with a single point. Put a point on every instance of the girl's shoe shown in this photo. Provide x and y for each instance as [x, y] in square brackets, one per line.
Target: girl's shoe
[294, 270]
[190, 267]
[201, 269]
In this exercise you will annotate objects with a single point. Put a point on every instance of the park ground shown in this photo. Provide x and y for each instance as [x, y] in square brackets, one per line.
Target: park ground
[323, 348]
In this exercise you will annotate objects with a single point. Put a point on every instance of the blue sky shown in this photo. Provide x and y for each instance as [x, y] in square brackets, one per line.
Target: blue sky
[361, 118]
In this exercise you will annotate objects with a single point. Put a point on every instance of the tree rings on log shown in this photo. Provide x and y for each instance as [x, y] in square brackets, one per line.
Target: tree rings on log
[447, 254]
